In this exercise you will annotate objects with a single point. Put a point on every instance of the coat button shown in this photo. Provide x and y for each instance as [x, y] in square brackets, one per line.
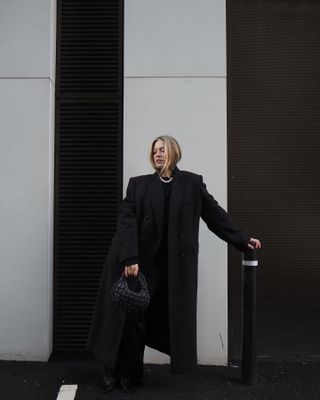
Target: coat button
[147, 217]
[181, 235]
[182, 254]
[142, 237]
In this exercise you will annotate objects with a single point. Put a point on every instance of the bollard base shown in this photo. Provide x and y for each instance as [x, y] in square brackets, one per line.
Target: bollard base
[252, 380]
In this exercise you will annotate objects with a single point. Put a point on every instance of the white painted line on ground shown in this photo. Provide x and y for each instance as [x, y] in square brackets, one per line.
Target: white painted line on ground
[67, 392]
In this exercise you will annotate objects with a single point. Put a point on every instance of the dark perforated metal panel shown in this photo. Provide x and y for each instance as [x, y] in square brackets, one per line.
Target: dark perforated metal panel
[88, 160]
[274, 167]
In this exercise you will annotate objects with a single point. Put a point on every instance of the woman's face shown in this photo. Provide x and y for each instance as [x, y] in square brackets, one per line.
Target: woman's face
[159, 155]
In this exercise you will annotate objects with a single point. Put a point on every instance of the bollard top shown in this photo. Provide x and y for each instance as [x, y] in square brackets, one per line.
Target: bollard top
[250, 258]
[250, 254]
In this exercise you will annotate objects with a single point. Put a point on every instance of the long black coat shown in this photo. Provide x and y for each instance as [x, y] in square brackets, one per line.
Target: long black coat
[139, 235]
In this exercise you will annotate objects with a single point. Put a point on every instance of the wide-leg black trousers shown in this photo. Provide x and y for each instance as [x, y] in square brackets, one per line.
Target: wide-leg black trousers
[140, 329]
[131, 350]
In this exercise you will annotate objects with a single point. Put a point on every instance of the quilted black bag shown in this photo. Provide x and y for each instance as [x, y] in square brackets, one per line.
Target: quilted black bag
[128, 300]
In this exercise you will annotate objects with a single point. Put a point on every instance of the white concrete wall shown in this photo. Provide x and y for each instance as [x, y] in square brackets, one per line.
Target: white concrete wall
[175, 83]
[27, 87]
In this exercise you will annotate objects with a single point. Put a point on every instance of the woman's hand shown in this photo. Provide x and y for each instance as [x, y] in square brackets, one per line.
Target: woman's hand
[254, 244]
[131, 270]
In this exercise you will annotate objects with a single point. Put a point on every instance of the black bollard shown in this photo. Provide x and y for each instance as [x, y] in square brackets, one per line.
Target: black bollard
[249, 357]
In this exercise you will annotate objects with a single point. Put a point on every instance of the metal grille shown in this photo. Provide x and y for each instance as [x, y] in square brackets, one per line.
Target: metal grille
[274, 168]
[90, 49]
[88, 159]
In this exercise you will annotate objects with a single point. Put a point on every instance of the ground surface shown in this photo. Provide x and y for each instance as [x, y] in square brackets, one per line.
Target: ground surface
[276, 381]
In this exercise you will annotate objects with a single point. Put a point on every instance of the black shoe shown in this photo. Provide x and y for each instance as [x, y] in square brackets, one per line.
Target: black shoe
[108, 380]
[126, 384]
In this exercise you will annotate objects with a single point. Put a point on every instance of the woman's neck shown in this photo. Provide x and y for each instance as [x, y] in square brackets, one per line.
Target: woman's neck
[165, 175]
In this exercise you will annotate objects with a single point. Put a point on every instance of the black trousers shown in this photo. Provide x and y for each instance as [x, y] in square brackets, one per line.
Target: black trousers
[141, 329]
[130, 356]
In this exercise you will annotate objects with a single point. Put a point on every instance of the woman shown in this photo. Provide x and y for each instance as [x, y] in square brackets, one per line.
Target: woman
[157, 234]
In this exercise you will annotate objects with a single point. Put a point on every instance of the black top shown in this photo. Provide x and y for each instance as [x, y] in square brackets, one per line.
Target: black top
[163, 249]
[166, 203]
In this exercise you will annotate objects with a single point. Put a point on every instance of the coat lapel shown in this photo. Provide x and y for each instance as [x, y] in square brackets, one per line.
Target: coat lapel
[176, 198]
[156, 196]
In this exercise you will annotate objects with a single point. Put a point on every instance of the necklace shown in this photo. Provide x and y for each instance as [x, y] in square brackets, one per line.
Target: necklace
[164, 180]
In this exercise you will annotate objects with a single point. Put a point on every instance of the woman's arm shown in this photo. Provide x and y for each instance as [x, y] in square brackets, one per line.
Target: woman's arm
[219, 222]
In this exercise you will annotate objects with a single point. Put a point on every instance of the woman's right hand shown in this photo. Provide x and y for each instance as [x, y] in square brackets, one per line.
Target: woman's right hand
[131, 270]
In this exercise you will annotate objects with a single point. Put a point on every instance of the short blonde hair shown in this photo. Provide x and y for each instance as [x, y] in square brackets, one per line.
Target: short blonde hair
[172, 153]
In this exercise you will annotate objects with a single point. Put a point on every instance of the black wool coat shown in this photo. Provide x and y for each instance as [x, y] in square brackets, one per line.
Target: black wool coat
[138, 235]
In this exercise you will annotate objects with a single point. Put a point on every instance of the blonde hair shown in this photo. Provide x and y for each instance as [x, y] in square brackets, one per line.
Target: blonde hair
[172, 154]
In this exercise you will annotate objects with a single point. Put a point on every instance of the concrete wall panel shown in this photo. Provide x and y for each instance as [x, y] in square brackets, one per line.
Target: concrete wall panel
[193, 111]
[26, 229]
[175, 38]
[27, 38]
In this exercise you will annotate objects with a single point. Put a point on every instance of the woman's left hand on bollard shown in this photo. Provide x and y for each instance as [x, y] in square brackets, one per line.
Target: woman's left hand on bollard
[254, 244]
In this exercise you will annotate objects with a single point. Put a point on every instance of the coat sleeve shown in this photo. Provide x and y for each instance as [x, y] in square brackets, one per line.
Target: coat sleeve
[127, 228]
[219, 222]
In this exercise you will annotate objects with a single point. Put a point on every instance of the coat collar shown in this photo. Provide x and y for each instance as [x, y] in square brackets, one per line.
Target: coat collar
[157, 200]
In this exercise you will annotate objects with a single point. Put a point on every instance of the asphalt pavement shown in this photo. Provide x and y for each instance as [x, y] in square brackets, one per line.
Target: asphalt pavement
[277, 380]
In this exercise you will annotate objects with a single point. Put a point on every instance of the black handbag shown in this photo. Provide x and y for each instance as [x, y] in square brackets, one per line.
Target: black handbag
[128, 300]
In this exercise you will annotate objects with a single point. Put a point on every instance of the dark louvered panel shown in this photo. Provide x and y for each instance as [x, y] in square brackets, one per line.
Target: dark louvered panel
[88, 193]
[90, 47]
[274, 147]
[88, 163]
